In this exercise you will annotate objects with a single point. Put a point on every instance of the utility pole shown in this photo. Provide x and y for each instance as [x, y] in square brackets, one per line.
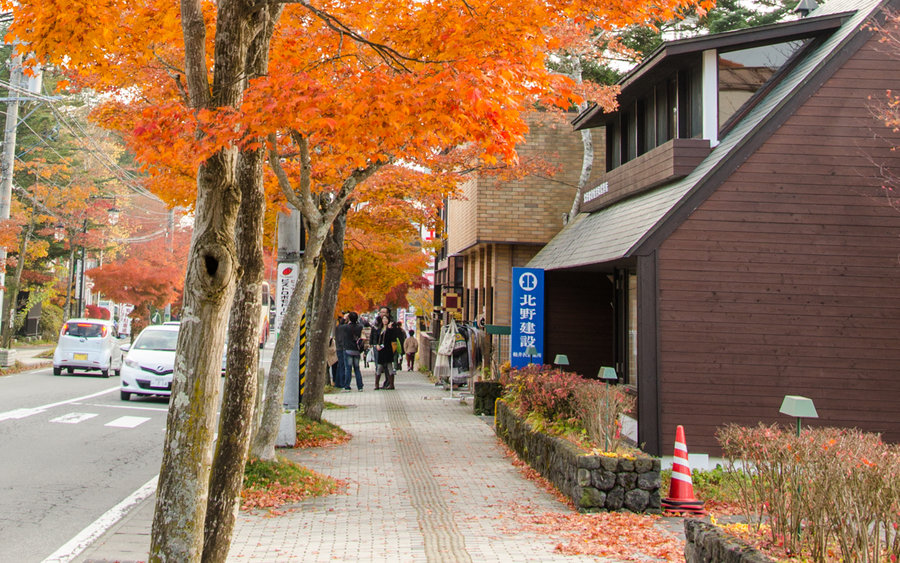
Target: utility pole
[8, 156]
[290, 254]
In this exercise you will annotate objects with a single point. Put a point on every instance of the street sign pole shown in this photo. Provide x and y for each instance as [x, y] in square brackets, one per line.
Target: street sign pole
[290, 252]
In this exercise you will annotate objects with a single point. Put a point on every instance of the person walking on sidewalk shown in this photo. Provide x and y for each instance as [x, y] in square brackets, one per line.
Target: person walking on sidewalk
[340, 381]
[410, 347]
[383, 341]
[350, 335]
[400, 337]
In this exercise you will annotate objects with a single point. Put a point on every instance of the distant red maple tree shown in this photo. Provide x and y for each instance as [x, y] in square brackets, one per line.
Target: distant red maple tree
[150, 274]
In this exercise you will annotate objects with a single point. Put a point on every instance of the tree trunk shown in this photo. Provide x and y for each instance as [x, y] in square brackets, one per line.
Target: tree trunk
[323, 323]
[178, 522]
[244, 325]
[263, 446]
[319, 221]
[67, 310]
[12, 288]
[587, 159]
[236, 418]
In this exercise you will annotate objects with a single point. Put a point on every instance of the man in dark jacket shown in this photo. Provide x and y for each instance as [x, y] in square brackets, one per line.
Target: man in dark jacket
[349, 335]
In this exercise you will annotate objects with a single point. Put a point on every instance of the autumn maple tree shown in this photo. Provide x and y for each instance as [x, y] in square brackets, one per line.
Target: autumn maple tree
[147, 274]
[331, 94]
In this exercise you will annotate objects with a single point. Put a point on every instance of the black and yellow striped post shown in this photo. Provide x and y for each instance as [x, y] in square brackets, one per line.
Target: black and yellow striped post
[302, 362]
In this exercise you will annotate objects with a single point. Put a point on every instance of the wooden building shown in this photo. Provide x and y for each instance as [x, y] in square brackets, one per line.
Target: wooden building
[741, 246]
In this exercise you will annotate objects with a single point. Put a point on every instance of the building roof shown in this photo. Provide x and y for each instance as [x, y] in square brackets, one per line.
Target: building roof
[635, 225]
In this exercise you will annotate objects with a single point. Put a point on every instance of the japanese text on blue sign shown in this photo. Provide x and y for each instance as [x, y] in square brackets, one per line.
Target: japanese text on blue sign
[527, 323]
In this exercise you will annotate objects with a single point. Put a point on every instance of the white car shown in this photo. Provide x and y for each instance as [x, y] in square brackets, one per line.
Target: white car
[87, 345]
[149, 362]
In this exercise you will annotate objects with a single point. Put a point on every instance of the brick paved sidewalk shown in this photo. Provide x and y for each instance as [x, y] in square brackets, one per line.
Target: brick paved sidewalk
[428, 482]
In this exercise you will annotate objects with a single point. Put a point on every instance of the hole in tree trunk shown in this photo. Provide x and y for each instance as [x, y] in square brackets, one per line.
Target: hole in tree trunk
[211, 265]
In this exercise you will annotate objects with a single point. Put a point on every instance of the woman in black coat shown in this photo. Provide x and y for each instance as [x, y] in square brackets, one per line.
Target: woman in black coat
[383, 336]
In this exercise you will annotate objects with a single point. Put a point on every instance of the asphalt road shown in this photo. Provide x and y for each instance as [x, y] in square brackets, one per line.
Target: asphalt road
[70, 449]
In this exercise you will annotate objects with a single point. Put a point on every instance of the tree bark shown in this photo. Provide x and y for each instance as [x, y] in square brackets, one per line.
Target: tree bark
[12, 288]
[244, 325]
[263, 446]
[323, 323]
[178, 522]
[587, 159]
[236, 418]
[319, 223]
[71, 280]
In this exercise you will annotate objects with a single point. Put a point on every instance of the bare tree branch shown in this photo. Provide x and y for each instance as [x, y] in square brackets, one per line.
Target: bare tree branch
[389, 55]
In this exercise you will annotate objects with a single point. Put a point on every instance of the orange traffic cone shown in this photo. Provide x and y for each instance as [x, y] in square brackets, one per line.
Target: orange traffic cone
[681, 490]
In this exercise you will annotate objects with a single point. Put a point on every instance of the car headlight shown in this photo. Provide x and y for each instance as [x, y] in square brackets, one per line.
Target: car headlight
[132, 364]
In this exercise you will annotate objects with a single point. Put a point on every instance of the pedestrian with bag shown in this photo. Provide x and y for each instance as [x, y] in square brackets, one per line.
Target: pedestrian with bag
[350, 336]
[410, 348]
[340, 372]
[383, 341]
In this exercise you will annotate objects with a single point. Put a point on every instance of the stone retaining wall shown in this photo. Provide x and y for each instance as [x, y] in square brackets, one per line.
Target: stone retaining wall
[706, 543]
[593, 482]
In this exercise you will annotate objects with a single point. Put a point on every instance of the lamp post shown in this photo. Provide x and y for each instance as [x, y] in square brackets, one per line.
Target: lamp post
[561, 360]
[532, 352]
[798, 407]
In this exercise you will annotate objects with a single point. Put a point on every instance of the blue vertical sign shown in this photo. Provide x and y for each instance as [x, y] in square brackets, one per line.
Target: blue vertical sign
[527, 323]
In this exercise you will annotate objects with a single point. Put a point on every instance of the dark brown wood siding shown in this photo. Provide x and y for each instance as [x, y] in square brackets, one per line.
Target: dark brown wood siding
[669, 161]
[580, 320]
[787, 279]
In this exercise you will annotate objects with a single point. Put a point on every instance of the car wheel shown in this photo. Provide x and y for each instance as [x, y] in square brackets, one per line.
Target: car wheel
[125, 395]
[104, 372]
[57, 371]
[70, 371]
[118, 372]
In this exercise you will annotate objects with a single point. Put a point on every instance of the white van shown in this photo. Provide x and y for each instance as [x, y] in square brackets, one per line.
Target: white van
[88, 345]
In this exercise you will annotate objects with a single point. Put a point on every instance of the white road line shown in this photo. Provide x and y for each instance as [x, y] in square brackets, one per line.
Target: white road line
[127, 421]
[73, 417]
[128, 407]
[22, 413]
[86, 537]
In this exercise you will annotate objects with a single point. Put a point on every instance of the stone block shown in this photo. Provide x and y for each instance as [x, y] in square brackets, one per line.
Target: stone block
[591, 498]
[648, 481]
[627, 480]
[643, 464]
[655, 500]
[603, 480]
[626, 464]
[609, 463]
[588, 461]
[584, 477]
[615, 498]
[637, 500]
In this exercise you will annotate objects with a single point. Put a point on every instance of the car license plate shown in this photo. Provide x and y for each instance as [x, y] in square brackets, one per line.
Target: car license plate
[79, 356]
[158, 382]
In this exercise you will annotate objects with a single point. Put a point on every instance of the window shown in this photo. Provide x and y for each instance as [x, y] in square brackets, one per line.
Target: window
[613, 146]
[743, 72]
[85, 330]
[631, 361]
[690, 96]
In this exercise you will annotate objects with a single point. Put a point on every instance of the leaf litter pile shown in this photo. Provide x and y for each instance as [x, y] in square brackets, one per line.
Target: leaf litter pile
[269, 485]
[622, 535]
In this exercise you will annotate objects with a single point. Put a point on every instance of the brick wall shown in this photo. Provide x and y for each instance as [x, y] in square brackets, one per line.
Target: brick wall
[528, 210]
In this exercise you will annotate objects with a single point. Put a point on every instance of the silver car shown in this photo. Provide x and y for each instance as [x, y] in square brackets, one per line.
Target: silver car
[87, 345]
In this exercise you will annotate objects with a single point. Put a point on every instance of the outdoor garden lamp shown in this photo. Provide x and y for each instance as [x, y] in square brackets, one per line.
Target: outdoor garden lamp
[798, 407]
[561, 360]
[608, 374]
[532, 352]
